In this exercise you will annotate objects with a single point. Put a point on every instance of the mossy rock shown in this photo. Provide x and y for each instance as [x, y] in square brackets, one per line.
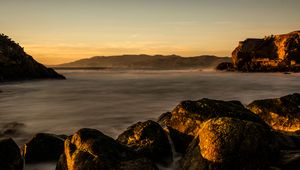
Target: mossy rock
[186, 119]
[90, 149]
[149, 139]
[230, 143]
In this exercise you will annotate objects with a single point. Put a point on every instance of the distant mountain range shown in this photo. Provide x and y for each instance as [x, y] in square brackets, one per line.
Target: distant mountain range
[163, 62]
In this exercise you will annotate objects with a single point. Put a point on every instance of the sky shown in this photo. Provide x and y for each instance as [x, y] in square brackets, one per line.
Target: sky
[59, 31]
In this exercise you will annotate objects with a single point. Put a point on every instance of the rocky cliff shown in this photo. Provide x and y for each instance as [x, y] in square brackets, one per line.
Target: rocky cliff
[272, 53]
[16, 64]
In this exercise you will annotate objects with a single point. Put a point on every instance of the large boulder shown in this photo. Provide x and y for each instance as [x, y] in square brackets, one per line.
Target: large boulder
[43, 147]
[16, 64]
[272, 53]
[149, 139]
[229, 143]
[91, 149]
[10, 156]
[281, 113]
[186, 119]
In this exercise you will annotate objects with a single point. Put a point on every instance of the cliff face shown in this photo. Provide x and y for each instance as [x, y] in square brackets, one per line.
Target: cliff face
[272, 53]
[15, 64]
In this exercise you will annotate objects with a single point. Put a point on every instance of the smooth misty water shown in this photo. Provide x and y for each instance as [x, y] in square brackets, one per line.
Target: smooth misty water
[112, 100]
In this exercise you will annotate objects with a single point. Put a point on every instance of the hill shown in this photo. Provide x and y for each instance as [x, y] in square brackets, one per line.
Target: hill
[168, 62]
[16, 64]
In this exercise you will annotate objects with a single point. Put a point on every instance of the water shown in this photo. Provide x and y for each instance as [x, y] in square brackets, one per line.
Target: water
[112, 100]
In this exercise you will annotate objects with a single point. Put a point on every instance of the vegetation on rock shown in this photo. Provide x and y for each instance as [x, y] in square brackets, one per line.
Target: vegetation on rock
[15, 64]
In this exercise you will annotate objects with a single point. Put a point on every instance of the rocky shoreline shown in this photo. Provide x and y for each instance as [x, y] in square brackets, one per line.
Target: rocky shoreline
[209, 134]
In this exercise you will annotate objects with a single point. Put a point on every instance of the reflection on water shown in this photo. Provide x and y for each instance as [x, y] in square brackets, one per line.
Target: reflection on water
[112, 100]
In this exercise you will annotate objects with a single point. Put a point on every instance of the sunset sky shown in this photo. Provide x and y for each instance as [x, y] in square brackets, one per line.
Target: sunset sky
[58, 31]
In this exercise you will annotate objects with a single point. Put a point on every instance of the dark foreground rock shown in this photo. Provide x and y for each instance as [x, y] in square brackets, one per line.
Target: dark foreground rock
[229, 143]
[281, 113]
[149, 139]
[43, 147]
[289, 160]
[186, 119]
[91, 149]
[269, 54]
[10, 156]
[16, 64]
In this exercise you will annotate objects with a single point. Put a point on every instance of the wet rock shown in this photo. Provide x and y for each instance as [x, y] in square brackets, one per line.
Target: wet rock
[149, 139]
[43, 147]
[187, 118]
[16, 64]
[91, 149]
[229, 143]
[10, 156]
[281, 113]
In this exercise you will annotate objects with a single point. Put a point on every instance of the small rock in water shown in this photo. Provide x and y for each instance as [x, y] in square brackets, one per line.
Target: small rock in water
[12, 128]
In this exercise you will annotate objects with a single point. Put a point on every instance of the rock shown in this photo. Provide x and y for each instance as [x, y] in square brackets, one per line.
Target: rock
[149, 139]
[43, 147]
[229, 143]
[187, 118]
[280, 113]
[10, 156]
[12, 128]
[272, 53]
[15, 64]
[91, 149]
[163, 118]
[287, 141]
[227, 66]
[289, 159]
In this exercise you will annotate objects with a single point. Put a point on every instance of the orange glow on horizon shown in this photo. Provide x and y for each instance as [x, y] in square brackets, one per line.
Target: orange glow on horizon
[53, 55]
